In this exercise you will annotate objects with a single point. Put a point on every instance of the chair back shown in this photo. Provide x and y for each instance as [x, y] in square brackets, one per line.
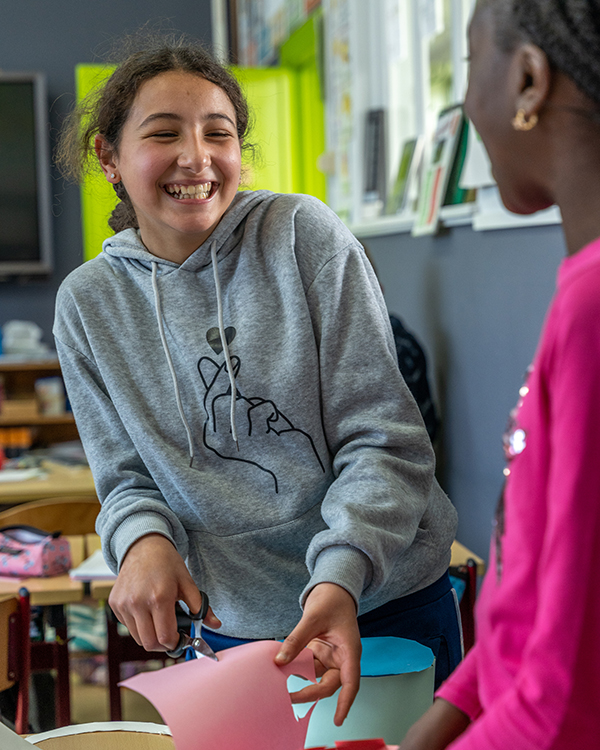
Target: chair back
[70, 516]
[15, 653]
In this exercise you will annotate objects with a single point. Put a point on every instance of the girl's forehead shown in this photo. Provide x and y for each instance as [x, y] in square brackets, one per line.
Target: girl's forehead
[181, 89]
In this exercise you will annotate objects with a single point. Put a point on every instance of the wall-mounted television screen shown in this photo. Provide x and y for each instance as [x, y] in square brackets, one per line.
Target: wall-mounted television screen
[25, 200]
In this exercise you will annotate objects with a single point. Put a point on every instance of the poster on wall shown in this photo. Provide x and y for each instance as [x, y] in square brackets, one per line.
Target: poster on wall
[263, 25]
[339, 105]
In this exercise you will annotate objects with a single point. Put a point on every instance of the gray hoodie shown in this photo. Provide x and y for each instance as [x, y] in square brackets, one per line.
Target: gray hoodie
[303, 460]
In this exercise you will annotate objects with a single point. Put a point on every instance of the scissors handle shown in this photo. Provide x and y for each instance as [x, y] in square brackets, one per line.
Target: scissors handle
[203, 608]
[184, 639]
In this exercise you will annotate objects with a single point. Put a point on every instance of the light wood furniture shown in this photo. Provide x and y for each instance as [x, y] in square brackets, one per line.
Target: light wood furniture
[461, 555]
[69, 515]
[15, 652]
[467, 566]
[56, 590]
[19, 378]
[118, 740]
[61, 481]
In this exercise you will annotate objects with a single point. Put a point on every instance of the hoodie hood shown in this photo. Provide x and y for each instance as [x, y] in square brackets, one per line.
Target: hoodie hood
[128, 245]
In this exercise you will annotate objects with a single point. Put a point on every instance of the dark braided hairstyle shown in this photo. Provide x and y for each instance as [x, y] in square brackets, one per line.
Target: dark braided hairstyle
[105, 111]
[568, 31]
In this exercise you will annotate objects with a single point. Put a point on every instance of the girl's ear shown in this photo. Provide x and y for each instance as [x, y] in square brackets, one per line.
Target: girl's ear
[106, 157]
[535, 77]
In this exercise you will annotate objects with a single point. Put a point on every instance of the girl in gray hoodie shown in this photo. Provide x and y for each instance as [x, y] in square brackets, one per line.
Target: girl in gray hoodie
[232, 371]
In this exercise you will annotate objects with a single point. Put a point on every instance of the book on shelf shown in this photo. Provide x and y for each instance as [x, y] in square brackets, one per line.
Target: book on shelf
[406, 181]
[438, 169]
[375, 179]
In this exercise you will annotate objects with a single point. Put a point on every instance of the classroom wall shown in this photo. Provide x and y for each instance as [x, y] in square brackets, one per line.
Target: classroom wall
[53, 37]
[476, 301]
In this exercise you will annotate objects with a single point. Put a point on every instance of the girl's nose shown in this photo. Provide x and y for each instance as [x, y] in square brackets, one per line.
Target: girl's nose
[194, 156]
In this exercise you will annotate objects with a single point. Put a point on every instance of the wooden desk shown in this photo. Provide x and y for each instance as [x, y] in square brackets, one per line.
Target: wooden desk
[45, 592]
[62, 481]
[53, 592]
[100, 589]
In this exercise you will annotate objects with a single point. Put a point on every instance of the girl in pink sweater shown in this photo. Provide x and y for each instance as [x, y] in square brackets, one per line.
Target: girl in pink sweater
[532, 681]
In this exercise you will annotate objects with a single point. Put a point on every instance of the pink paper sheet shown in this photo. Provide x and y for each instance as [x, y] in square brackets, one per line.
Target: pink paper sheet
[240, 702]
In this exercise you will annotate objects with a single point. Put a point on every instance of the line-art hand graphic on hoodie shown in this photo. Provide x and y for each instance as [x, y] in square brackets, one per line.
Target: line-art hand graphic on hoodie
[266, 436]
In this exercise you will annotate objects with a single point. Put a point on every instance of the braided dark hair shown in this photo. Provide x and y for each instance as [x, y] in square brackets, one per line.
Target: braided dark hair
[568, 31]
[104, 112]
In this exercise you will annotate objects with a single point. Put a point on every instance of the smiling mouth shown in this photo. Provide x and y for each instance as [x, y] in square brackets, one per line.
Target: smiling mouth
[194, 192]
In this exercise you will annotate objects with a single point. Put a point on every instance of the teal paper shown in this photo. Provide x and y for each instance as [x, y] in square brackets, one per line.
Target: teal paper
[390, 656]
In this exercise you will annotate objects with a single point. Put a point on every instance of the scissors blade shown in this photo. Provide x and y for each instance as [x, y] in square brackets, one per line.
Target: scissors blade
[202, 647]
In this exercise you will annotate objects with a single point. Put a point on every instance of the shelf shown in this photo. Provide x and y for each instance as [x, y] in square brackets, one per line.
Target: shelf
[15, 364]
[40, 419]
[20, 406]
[450, 216]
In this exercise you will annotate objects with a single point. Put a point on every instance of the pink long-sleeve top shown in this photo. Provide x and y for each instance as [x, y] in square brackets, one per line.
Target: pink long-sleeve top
[532, 681]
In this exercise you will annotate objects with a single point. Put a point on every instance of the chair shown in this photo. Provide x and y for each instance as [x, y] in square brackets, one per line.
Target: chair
[468, 574]
[73, 517]
[15, 653]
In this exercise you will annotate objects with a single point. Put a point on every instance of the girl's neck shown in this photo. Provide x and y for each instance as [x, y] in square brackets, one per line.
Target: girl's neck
[578, 197]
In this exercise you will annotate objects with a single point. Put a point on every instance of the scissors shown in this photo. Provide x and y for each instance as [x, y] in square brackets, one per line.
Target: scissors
[197, 643]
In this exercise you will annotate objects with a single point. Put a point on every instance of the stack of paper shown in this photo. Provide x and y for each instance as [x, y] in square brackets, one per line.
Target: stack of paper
[92, 569]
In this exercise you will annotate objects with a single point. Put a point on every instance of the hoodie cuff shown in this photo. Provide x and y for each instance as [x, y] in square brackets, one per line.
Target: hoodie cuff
[134, 527]
[345, 565]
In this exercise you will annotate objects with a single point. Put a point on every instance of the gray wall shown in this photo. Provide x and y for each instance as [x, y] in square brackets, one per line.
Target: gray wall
[476, 301]
[52, 37]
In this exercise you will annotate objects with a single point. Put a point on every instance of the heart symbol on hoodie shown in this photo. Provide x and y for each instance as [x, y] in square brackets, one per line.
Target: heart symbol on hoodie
[214, 338]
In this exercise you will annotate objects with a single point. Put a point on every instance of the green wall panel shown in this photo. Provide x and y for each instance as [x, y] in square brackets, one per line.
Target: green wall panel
[98, 197]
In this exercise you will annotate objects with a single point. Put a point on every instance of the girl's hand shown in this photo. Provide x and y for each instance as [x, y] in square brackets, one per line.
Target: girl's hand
[152, 579]
[329, 628]
[437, 728]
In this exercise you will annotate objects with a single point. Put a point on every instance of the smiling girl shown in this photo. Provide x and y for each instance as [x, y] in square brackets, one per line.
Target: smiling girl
[233, 375]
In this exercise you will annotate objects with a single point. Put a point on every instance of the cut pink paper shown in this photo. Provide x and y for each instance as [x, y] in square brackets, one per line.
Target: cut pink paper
[240, 702]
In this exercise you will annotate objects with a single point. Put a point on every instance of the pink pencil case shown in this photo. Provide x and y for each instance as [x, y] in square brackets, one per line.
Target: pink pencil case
[26, 551]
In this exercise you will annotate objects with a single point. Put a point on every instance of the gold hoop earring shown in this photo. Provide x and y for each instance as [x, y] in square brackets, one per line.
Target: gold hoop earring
[520, 123]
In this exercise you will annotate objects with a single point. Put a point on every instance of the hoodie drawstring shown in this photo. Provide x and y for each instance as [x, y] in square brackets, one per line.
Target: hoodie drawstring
[163, 338]
[213, 255]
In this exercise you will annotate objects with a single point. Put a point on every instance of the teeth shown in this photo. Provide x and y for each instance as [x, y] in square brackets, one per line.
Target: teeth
[189, 191]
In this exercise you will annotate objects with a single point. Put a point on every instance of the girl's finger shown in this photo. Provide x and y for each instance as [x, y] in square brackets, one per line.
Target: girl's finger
[293, 644]
[350, 679]
[160, 625]
[325, 688]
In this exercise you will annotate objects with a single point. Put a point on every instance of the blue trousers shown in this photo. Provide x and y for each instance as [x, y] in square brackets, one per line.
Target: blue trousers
[428, 616]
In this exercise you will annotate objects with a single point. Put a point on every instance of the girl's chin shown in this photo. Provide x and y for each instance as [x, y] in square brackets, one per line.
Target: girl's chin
[524, 205]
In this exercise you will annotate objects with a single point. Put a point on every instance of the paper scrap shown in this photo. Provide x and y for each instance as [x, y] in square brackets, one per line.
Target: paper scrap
[9, 740]
[93, 568]
[241, 701]
[21, 475]
[389, 656]
[98, 726]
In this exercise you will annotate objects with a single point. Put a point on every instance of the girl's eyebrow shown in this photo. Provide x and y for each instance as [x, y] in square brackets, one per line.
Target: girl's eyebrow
[172, 116]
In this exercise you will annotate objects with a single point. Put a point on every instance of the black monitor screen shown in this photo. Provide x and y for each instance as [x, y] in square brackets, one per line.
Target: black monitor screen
[23, 176]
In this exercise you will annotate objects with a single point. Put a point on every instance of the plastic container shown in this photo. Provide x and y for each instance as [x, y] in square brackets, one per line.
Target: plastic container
[396, 688]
